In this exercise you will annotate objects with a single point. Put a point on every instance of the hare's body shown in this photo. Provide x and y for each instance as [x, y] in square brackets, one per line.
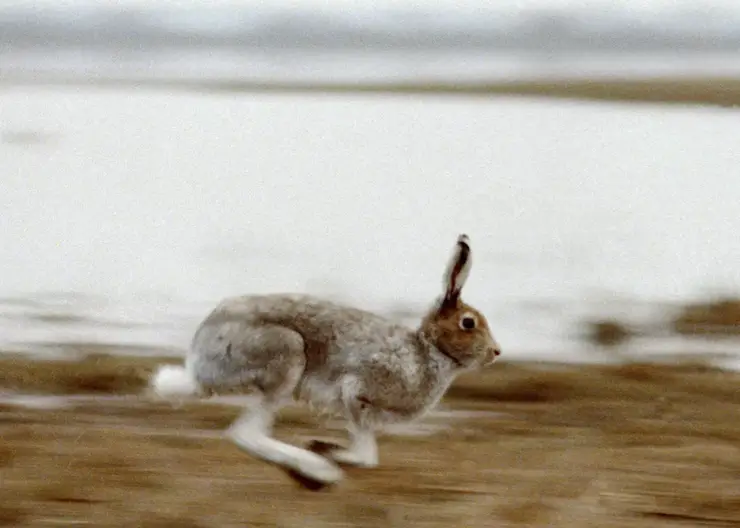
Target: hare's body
[354, 363]
[341, 360]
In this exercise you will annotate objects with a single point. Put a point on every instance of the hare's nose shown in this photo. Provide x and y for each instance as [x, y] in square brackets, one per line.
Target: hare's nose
[491, 354]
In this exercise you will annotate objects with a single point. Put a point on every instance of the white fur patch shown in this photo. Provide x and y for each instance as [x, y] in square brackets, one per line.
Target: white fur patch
[322, 397]
[363, 452]
[174, 380]
[251, 433]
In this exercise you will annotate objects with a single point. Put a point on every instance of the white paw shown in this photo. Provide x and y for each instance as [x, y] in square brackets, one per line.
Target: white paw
[350, 458]
[319, 468]
[309, 465]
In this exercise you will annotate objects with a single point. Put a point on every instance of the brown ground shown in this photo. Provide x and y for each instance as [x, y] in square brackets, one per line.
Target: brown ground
[632, 445]
[716, 317]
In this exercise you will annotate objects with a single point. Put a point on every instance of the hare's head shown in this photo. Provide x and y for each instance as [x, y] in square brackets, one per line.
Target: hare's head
[456, 329]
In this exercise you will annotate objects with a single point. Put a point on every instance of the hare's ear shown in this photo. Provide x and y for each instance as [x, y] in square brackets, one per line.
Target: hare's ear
[457, 271]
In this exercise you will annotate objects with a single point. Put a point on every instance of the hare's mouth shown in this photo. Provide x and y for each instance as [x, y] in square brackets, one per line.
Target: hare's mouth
[491, 355]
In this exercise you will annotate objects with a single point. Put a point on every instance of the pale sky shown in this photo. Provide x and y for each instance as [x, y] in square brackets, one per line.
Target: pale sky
[380, 4]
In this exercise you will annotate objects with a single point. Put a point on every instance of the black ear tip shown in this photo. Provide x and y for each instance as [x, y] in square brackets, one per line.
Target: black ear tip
[463, 240]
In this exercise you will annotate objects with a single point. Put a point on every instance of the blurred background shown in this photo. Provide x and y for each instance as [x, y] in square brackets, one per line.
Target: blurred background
[157, 156]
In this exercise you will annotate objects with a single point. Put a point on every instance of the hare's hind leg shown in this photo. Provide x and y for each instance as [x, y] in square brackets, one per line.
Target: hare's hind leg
[280, 360]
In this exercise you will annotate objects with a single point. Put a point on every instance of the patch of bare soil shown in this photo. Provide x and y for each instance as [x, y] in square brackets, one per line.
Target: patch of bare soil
[721, 317]
[636, 445]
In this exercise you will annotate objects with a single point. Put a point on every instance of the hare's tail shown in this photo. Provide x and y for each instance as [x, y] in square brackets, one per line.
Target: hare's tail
[174, 381]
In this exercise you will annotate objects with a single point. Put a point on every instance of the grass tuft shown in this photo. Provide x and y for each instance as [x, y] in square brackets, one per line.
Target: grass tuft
[714, 318]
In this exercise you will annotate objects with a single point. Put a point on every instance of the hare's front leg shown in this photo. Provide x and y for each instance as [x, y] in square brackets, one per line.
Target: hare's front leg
[358, 411]
[362, 451]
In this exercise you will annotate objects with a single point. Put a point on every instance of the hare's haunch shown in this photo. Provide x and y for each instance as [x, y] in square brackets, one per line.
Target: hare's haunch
[349, 362]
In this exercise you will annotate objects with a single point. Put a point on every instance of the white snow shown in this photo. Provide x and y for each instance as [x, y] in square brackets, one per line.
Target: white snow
[145, 208]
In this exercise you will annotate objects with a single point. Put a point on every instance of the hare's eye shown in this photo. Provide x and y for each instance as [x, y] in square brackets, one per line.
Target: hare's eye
[467, 322]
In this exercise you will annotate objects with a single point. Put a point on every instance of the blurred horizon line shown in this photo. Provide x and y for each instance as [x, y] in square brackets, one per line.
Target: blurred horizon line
[559, 29]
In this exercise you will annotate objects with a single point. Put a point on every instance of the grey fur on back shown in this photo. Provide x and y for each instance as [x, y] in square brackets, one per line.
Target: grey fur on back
[393, 371]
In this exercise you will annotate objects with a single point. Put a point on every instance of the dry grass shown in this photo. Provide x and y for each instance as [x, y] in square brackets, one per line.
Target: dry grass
[705, 91]
[717, 91]
[712, 318]
[638, 445]
[93, 373]
[721, 317]
[607, 332]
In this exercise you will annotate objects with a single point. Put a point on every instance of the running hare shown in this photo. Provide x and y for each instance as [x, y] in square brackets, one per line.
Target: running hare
[358, 365]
